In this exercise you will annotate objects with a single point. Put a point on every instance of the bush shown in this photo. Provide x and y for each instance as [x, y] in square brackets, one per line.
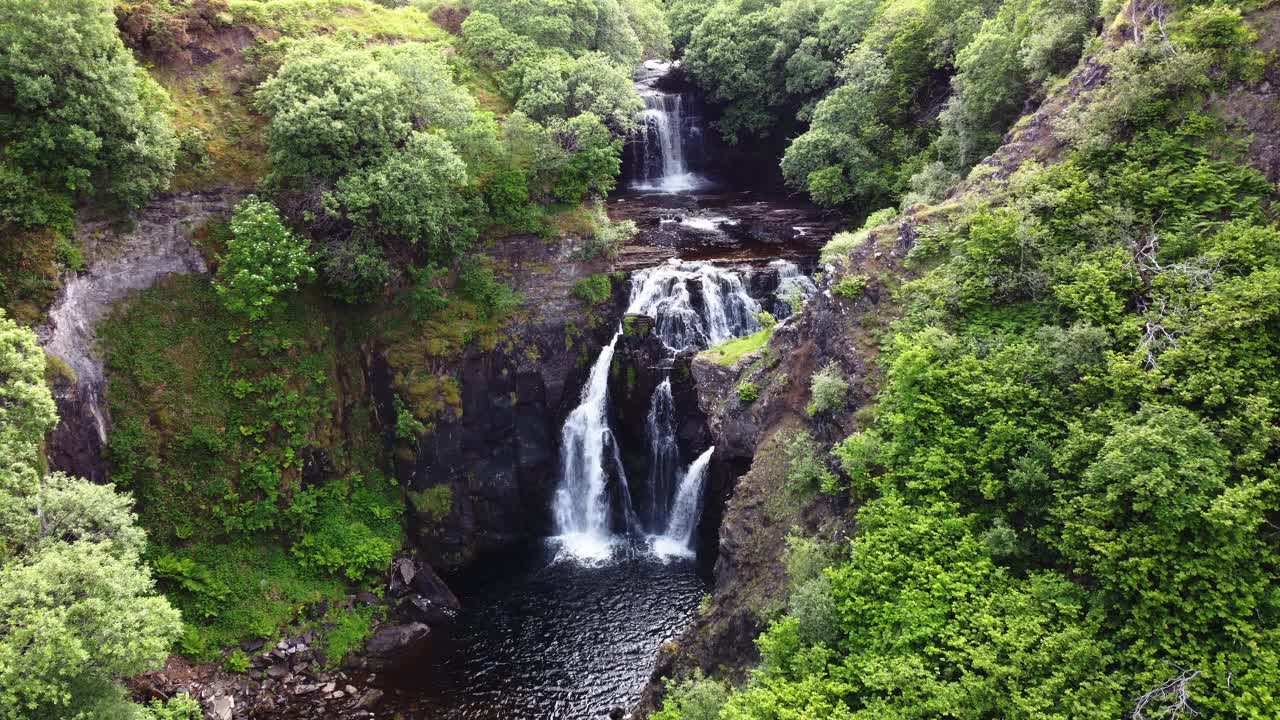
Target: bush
[263, 260]
[594, 290]
[858, 455]
[850, 287]
[806, 473]
[748, 392]
[695, 698]
[81, 118]
[592, 166]
[178, 707]
[814, 611]
[827, 390]
[236, 662]
[608, 237]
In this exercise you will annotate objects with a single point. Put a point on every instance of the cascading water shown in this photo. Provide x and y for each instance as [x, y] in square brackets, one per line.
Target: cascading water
[581, 504]
[671, 130]
[677, 540]
[664, 456]
[695, 305]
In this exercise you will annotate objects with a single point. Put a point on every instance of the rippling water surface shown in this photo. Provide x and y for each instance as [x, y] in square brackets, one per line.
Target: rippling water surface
[544, 639]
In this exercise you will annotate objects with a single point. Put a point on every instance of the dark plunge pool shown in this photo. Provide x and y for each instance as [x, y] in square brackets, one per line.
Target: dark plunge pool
[540, 639]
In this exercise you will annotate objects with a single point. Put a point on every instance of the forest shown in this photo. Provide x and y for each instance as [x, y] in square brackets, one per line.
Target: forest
[1057, 461]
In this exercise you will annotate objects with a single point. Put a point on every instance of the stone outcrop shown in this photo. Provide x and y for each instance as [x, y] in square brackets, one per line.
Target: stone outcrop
[118, 261]
[495, 460]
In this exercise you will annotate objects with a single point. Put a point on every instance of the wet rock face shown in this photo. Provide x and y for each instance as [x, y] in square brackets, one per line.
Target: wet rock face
[117, 261]
[492, 470]
[739, 225]
[640, 364]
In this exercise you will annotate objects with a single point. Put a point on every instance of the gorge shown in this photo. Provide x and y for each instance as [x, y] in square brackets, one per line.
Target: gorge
[639, 359]
[572, 628]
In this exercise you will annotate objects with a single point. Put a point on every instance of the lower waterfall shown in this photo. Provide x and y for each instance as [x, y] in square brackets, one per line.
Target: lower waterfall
[694, 306]
[678, 538]
[581, 504]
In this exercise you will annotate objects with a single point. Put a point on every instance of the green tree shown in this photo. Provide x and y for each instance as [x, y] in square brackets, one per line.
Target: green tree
[78, 117]
[78, 609]
[264, 260]
[331, 109]
[420, 195]
[581, 26]
[556, 87]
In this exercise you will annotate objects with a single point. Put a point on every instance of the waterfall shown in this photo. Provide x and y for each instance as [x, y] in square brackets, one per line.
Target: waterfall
[685, 511]
[664, 455]
[671, 128]
[581, 504]
[695, 305]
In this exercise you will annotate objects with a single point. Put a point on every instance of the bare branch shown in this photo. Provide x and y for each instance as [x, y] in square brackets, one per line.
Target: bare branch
[1169, 699]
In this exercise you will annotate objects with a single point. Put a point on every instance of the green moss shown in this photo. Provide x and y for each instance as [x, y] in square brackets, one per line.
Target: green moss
[728, 352]
[435, 502]
[594, 289]
[56, 371]
[346, 630]
[747, 392]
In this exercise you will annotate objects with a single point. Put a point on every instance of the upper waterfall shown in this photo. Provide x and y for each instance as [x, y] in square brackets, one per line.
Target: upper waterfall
[670, 138]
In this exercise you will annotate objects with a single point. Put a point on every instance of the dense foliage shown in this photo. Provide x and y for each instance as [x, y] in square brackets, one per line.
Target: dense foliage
[1068, 490]
[78, 610]
[892, 96]
[79, 118]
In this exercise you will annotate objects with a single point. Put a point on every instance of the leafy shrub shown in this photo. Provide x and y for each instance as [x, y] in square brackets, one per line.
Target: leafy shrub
[608, 237]
[766, 320]
[695, 698]
[748, 392]
[805, 558]
[591, 168]
[263, 260]
[348, 632]
[408, 427]
[813, 609]
[179, 707]
[806, 473]
[236, 662]
[594, 290]
[858, 455]
[827, 390]
[850, 287]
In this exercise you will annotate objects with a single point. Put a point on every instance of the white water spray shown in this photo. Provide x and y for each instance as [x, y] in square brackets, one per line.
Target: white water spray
[581, 504]
[678, 539]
